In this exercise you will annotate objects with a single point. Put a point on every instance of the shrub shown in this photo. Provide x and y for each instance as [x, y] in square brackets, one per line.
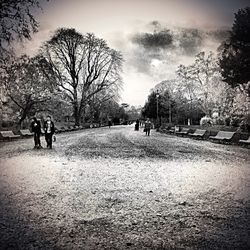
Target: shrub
[235, 121]
[220, 121]
[227, 121]
[7, 124]
[206, 121]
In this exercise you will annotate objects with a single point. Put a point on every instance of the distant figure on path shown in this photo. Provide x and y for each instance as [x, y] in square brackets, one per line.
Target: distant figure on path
[36, 129]
[49, 129]
[137, 124]
[148, 126]
[109, 123]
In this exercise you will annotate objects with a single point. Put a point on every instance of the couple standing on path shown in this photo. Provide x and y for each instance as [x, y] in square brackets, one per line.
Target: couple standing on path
[147, 127]
[49, 129]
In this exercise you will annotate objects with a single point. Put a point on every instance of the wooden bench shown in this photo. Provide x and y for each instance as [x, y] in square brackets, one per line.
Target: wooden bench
[59, 129]
[70, 128]
[62, 129]
[199, 133]
[184, 131]
[25, 132]
[245, 142]
[171, 130]
[8, 135]
[223, 136]
[163, 130]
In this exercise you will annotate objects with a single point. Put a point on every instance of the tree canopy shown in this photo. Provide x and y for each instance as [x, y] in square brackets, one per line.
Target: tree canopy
[235, 55]
[28, 83]
[17, 22]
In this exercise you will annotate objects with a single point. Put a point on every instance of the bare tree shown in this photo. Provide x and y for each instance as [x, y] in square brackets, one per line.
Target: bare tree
[84, 66]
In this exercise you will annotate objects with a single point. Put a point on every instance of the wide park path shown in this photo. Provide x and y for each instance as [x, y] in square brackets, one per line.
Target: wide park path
[119, 189]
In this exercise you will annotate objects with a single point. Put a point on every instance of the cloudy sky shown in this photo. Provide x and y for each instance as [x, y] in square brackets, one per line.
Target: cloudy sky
[155, 36]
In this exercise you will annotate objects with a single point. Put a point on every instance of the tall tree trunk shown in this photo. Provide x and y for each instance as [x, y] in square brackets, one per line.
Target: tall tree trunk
[76, 109]
[81, 111]
[77, 119]
[24, 115]
[25, 112]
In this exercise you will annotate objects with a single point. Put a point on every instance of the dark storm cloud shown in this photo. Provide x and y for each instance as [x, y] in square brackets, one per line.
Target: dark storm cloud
[189, 40]
[156, 40]
[160, 45]
[161, 38]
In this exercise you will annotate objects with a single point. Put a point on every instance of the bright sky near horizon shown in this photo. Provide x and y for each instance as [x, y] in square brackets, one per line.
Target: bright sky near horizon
[155, 36]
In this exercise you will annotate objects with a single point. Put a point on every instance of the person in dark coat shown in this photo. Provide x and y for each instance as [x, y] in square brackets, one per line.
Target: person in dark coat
[36, 129]
[109, 123]
[49, 129]
[137, 124]
[148, 126]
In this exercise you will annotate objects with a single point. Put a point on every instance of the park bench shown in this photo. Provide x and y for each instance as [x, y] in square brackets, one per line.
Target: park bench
[25, 132]
[184, 131]
[70, 128]
[59, 130]
[223, 136]
[171, 130]
[164, 130]
[245, 142]
[62, 129]
[8, 135]
[198, 133]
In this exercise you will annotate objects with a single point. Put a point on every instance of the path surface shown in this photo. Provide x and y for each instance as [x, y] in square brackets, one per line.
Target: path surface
[118, 189]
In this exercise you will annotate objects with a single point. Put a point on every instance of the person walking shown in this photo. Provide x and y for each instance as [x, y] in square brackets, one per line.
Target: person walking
[36, 129]
[137, 123]
[49, 129]
[109, 123]
[148, 126]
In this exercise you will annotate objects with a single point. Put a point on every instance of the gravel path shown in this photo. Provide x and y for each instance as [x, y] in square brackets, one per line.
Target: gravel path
[118, 189]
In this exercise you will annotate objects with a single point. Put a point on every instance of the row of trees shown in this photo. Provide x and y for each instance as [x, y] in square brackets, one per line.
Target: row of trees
[212, 86]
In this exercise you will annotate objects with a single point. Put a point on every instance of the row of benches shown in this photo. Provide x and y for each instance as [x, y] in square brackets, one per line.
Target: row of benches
[10, 135]
[26, 132]
[221, 136]
[71, 128]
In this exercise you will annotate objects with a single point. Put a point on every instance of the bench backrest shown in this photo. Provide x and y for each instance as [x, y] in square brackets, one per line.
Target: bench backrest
[200, 132]
[7, 133]
[25, 131]
[248, 140]
[225, 134]
[185, 130]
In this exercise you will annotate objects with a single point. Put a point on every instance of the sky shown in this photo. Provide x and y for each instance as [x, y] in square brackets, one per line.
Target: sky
[154, 36]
